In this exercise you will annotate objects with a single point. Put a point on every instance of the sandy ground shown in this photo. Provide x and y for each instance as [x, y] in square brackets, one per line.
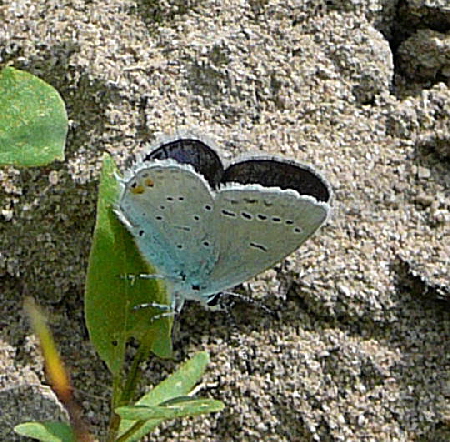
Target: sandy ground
[360, 90]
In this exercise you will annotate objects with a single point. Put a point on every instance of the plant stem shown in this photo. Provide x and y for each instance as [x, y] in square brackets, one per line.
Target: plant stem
[125, 395]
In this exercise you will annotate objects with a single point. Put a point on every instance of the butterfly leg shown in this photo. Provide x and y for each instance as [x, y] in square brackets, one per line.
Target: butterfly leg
[166, 310]
[133, 277]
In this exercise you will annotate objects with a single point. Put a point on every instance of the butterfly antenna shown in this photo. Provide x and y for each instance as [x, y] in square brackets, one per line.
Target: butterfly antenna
[227, 300]
[251, 301]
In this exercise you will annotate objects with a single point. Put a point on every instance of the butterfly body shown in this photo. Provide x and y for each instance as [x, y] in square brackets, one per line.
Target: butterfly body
[206, 227]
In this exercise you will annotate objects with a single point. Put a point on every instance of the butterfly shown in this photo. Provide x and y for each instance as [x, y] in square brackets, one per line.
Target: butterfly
[207, 227]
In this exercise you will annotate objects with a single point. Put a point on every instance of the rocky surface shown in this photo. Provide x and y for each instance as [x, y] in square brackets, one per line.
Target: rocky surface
[352, 88]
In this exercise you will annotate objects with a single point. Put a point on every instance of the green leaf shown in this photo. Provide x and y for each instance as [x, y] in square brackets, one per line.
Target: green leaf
[177, 400]
[46, 431]
[178, 384]
[193, 407]
[110, 297]
[33, 120]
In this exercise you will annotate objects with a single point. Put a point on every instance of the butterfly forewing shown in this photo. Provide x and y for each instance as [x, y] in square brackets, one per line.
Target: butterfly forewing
[196, 153]
[257, 228]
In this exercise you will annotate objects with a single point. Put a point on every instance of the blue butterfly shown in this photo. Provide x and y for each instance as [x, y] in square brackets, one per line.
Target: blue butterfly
[206, 227]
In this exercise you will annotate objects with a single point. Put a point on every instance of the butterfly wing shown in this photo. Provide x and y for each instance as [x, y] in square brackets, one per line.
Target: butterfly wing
[258, 227]
[267, 207]
[194, 152]
[207, 241]
[276, 172]
[168, 208]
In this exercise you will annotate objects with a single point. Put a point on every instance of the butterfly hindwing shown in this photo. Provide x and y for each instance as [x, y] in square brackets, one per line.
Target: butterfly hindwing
[169, 208]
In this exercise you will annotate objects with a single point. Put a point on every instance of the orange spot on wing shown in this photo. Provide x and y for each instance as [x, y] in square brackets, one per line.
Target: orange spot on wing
[137, 189]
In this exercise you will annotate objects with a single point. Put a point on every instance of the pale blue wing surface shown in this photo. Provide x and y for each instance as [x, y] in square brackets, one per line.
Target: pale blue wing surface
[257, 227]
[169, 209]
